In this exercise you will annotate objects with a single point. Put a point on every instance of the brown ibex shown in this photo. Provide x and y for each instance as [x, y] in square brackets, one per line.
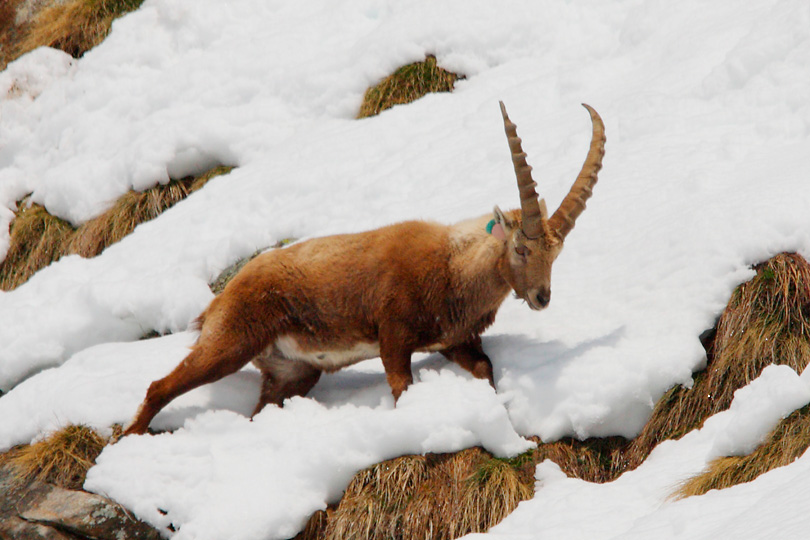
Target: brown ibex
[330, 302]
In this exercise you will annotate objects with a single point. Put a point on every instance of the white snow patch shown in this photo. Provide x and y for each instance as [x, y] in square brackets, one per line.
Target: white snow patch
[310, 449]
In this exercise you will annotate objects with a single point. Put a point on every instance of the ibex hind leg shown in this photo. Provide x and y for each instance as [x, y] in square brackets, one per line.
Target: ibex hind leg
[283, 378]
[205, 364]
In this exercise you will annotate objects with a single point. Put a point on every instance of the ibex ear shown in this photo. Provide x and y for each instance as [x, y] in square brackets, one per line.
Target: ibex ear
[502, 228]
[543, 210]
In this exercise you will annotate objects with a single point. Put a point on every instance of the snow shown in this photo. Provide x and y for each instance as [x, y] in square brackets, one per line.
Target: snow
[708, 129]
[310, 449]
[638, 503]
[758, 407]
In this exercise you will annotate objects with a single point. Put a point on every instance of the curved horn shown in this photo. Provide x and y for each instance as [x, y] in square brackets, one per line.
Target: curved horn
[574, 203]
[529, 205]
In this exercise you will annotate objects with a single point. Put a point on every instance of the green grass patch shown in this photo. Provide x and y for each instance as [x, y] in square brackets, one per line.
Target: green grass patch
[407, 84]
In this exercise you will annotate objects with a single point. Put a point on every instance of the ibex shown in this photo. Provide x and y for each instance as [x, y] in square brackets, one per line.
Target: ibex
[327, 303]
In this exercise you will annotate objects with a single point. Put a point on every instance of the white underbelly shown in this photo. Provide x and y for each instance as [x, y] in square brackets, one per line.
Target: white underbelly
[286, 347]
[327, 359]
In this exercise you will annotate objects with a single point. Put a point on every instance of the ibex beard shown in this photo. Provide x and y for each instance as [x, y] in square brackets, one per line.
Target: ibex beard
[330, 302]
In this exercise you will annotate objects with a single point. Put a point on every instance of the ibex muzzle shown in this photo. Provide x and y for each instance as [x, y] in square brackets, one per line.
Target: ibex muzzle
[330, 302]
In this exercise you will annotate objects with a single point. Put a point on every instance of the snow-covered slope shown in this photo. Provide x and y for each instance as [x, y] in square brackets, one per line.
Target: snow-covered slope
[708, 126]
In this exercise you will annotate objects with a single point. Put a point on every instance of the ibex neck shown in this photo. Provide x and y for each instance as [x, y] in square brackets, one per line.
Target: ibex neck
[477, 265]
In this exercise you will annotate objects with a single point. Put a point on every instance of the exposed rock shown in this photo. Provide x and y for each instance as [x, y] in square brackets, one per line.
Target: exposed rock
[28, 9]
[228, 274]
[14, 528]
[39, 511]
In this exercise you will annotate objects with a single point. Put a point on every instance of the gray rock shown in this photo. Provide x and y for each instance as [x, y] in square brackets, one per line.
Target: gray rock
[39, 511]
[87, 515]
[228, 274]
[14, 528]
[28, 9]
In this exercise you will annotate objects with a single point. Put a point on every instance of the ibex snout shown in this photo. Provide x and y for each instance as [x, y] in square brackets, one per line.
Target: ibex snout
[539, 298]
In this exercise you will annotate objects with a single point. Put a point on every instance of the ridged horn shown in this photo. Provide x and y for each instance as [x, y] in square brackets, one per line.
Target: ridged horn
[574, 203]
[529, 205]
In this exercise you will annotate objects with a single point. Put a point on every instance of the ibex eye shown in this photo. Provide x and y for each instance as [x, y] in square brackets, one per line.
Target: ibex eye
[520, 250]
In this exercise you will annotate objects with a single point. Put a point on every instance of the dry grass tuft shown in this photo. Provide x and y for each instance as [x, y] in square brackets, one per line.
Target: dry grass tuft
[74, 26]
[597, 460]
[132, 209]
[767, 321]
[38, 238]
[62, 458]
[316, 525]
[788, 441]
[438, 496]
[129, 210]
[493, 491]
[407, 84]
[373, 503]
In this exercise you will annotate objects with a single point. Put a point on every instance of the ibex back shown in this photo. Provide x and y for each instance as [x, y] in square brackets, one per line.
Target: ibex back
[327, 303]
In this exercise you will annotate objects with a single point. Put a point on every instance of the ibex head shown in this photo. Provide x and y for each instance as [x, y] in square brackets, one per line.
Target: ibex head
[534, 242]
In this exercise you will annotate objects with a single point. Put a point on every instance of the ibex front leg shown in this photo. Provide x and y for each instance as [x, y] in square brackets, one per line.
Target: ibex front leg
[471, 356]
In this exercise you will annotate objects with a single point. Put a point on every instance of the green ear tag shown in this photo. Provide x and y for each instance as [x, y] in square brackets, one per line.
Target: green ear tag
[490, 225]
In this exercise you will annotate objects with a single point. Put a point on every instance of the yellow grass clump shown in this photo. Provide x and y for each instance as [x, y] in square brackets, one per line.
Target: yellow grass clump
[38, 238]
[407, 84]
[788, 441]
[63, 458]
[493, 491]
[74, 26]
[767, 321]
[597, 460]
[437, 496]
